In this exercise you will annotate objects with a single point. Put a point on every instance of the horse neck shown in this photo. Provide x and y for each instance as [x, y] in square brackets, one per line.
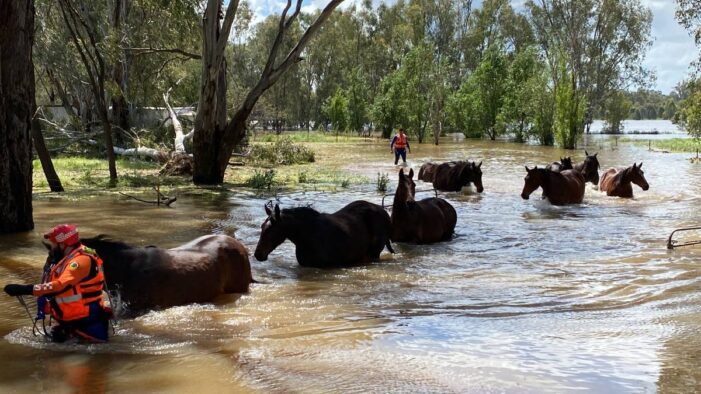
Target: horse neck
[545, 180]
[401, 197]
[298, 226]
[622, 178]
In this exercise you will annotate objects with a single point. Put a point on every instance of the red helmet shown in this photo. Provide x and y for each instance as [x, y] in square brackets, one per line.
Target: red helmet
[66, 234]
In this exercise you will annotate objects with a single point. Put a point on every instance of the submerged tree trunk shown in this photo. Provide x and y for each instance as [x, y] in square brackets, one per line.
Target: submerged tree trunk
[16, 112]
[45, 158]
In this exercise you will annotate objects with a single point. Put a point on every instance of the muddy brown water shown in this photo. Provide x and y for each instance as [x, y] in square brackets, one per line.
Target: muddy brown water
[526, 298]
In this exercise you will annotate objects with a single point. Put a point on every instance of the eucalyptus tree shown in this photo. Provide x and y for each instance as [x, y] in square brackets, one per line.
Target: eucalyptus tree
[17, 107]
[604, 41]
[216, 137]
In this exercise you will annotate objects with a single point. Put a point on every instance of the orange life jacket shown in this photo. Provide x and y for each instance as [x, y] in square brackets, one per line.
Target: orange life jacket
[400, 143]
[73, 302]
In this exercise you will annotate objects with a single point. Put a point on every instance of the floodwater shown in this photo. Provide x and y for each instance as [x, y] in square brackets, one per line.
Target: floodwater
[527, 298]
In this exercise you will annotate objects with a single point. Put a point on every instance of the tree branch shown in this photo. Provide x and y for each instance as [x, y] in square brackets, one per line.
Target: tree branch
[148, 51]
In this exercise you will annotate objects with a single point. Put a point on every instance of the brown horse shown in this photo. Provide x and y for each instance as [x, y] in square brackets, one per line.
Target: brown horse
[589, 168]
[452, 176]
[151, 277]
[354, 235]
[427, 172]
[618, 182]
[426, 221]
[565, 163]
[560, 188]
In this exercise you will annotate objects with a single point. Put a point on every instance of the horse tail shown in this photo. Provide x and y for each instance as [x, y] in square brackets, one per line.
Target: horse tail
[388, 244]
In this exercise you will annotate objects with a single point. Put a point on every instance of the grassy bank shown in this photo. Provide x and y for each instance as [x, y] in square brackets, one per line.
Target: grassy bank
[312, 136]
[84, 176]
[671, 145]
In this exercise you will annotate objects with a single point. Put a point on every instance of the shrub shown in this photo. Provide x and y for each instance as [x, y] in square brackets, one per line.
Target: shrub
[302, 177]
[262, 180]
[283, 152]
[382, 182]
[345, 183]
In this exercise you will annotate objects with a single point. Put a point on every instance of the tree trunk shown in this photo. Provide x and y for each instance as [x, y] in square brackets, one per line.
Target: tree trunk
[16, 111]
[46, 164]
[120, 109]
[214, 141]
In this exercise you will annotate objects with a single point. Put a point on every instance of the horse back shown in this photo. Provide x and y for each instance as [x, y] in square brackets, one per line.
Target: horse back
[427, 172]
[447, 176]
[606, 182]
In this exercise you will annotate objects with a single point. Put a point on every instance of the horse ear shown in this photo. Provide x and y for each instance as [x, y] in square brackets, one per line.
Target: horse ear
[268, 208]
[479, 165]
[401, 174]
[411, 173]
[635, 165]
[586, 153]
[640, 165]
[277, 211]
[527, 169]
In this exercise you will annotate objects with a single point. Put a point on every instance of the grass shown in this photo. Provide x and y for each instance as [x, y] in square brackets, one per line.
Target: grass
[87, 177]
[382, 182]
[670, 145]
[282, 152]
[303, 136]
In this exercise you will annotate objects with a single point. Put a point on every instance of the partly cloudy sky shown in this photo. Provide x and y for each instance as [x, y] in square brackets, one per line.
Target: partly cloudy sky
[671, 53]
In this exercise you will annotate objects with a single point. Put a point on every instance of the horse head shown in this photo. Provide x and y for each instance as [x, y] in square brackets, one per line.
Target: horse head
[532, 181]
[406, 188]
[566, 163]
[272, 232]
[637, 176]
[472, 173]
[591, 168]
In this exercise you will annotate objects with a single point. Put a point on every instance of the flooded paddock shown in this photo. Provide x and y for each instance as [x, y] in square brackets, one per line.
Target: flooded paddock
[527, 297]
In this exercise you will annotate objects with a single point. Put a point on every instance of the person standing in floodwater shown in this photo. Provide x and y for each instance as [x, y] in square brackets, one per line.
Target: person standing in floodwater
[399, 146]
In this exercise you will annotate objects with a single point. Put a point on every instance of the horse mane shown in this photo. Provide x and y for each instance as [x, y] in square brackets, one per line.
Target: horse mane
[301, 212]
[104, 244]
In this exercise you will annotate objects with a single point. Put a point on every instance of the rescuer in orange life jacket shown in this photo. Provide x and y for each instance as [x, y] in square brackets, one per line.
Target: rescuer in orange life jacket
[399, 145]
[74, 288]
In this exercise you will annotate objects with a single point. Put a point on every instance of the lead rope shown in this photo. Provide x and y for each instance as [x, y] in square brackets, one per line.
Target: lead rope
[29, 314]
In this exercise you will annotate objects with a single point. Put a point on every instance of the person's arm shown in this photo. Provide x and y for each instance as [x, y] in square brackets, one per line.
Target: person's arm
[407, 144]
[391, 144]
[74, 271]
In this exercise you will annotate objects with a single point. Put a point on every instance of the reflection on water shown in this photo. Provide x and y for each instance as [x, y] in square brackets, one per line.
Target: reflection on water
[526, 298]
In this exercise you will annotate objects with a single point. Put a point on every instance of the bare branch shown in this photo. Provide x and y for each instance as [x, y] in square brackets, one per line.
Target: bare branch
[148, 51]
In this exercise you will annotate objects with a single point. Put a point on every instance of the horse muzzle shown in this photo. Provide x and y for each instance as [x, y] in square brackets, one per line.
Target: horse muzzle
[260, 256]
[646, 187]
[524, 196]
[480, 189]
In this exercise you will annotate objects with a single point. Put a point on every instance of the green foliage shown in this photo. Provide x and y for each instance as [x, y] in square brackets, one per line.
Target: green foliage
[262, 179]
[617, 109]
[283, 152]
[570, 108]
[691, 110]
[382, 182]
[388, 107]
[302, 177]
[357, 95]
[475, 108]
[336, 109]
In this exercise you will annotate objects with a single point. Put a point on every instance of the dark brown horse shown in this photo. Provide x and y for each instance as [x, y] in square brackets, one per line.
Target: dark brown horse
[354, 235]
[565, 163]
[560, 188]
[589, 168]
[151, 277]
[426, 221]
[427, 172]
[452, 176]
[618, 182]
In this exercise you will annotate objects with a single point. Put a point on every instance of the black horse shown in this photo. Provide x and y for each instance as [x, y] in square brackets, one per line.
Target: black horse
[565, 163]
[426, 221]
[452, 176]
[589, 168]
[354, 235]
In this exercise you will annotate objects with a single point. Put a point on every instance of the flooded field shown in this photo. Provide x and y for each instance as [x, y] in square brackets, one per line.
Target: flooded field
[526, 298]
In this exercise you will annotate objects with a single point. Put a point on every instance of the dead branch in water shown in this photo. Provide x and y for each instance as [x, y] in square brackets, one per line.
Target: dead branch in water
[161, 199]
